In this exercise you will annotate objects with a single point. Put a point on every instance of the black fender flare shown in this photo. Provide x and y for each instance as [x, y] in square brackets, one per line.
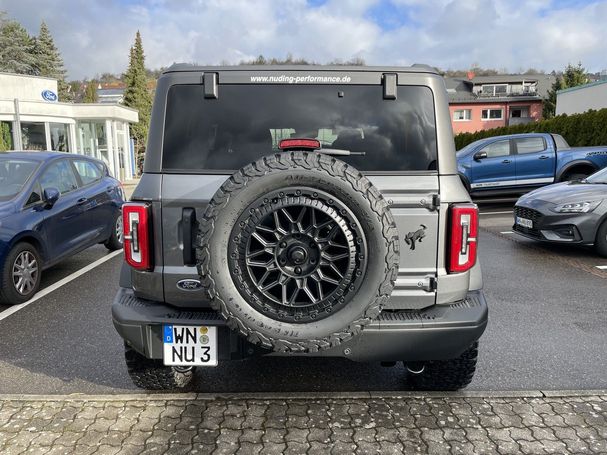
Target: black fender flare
[573, 164]
[465, 181]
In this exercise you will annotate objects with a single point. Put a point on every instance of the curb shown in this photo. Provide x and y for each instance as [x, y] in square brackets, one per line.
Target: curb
[305, 395]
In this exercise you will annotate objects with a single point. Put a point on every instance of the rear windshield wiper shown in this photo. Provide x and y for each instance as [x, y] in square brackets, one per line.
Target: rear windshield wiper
[313, 145]
[339, 152]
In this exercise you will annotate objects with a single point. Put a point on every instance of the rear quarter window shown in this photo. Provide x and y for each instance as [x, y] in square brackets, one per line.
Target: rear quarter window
[247, 122]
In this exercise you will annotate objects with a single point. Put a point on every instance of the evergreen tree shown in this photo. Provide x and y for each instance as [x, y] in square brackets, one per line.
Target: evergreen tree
[549, 108]
[16, 48]
[574, 76]
[90, 94]
[49, 63]
[571, 77]
[137, 95]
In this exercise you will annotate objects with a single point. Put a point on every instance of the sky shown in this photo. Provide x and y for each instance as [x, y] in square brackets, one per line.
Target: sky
[94, 36]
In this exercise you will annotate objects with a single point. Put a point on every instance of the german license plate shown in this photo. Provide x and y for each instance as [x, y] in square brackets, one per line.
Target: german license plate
[189, 345]
[524, 222]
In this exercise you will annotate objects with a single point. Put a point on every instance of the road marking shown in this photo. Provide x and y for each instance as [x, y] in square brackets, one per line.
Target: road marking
[506, 232]
[46, 291]
[602, 267]
[496, 213]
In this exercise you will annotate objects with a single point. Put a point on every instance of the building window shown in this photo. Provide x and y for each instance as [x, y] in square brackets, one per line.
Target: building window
[494, 90]
[59, 135]
[6, 136]
[462, 115]
[519, 112]
[33, 136]
[492, 114]
[92, 140]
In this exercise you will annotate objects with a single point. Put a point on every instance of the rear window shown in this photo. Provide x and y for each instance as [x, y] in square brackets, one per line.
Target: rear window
[247, 122]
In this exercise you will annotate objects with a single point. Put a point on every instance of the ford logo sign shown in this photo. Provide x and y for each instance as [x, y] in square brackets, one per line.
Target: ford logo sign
[189, 284]
[49, 95]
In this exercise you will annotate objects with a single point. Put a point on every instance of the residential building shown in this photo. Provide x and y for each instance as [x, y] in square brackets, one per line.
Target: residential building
[34, 119]
[484, 102]
[576, 100]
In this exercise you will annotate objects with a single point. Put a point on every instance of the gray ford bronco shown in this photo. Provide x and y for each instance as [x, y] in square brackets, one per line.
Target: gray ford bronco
[300, 211]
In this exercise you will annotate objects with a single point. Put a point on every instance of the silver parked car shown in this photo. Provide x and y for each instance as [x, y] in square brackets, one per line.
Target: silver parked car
[300, 211]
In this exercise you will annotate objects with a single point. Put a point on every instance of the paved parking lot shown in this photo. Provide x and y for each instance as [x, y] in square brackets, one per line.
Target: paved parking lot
[365, 425]
[546, 330]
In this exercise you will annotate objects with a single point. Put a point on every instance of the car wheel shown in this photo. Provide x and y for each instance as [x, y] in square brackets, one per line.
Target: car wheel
[442, 375]
[600, 243]
[20, 274]
[298, 252]
[152, 374]
[115, 241]
[574, 176]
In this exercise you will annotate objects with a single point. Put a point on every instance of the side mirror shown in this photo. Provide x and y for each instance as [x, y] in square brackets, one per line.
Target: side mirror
[479, 156]
[51, 195]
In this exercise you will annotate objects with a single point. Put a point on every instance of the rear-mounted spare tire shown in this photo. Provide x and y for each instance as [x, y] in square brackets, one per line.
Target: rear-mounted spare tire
[298, 252]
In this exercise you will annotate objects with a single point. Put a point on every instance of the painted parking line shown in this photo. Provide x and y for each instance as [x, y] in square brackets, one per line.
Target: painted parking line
[506, 232]
[46, 291]
[602, 267]
[509, 212]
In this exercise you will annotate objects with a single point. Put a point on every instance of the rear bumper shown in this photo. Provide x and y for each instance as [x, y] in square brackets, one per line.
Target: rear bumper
[436, 333]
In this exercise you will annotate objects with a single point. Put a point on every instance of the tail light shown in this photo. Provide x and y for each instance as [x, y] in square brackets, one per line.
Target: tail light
[136, 223]
[464, 237]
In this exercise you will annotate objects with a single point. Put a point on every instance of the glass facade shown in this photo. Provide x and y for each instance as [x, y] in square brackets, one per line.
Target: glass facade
[33, 136]
[59, 133]
[104, 139]
[92, 140]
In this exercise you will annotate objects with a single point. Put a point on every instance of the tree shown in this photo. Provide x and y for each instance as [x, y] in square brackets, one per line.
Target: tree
[571, 77]
[6, 140]
[49, 63]
[16, 48]
[90, 93]
[137, 95]
[574, 76]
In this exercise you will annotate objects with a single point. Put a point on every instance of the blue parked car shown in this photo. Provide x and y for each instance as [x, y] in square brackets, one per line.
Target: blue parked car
[52, 205]
[518, 163]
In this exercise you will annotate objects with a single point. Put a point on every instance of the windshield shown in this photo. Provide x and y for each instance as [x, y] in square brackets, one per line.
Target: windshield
[247, 122]
[14, 173]
[598, 177]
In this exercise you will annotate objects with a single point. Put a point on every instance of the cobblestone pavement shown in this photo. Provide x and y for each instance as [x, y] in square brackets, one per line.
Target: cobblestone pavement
[457, 424]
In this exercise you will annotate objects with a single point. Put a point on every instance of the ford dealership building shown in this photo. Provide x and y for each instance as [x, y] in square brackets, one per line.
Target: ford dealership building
[32, 118]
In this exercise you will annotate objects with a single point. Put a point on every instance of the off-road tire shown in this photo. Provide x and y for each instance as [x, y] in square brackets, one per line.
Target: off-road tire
[8, 294]
[151, 374]
[114, 243]
[600, 243]
[284, 171]
[445, 375]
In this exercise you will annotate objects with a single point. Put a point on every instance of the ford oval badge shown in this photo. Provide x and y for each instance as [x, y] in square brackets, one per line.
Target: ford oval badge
[49, 95]
[189, 284]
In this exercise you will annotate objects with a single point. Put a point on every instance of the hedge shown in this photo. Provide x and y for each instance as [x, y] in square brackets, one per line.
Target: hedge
[587, 129]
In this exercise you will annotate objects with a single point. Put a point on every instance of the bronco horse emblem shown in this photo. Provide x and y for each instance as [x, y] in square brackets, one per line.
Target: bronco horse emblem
[416, 236]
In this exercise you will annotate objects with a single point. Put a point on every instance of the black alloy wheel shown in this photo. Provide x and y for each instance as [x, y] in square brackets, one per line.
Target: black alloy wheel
[297, 254]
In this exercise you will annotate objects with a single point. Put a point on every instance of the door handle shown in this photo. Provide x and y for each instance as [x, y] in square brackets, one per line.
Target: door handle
[544, 157]
[506, 162]
[109, 189]
[82, 200]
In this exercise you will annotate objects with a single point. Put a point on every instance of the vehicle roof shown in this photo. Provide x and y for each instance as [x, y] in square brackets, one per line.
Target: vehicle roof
[42, 156]
[510, 136]
[415, 68]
